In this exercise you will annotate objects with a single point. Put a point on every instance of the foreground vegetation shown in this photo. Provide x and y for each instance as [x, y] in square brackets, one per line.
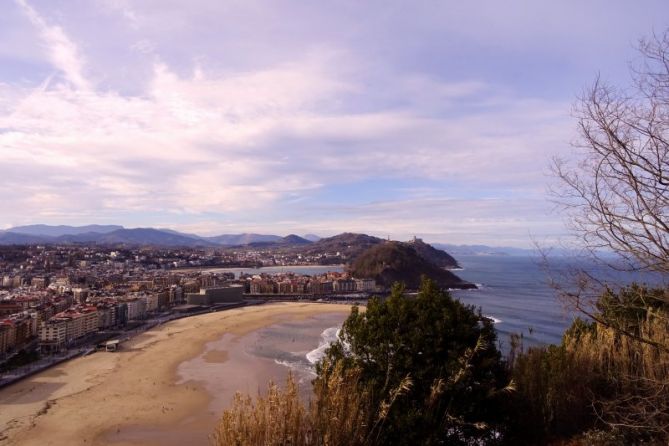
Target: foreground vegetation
[418, 370]
[607, 382]
[426, 370]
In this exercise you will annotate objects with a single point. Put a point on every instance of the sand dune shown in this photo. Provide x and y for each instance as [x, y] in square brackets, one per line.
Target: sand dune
[135, 396]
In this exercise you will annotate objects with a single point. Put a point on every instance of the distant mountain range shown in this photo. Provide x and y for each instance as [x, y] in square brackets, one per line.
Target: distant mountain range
[347, 244]
[483, 250]
[57, 231]
[242, 239]
[114, 234]
[366, 255]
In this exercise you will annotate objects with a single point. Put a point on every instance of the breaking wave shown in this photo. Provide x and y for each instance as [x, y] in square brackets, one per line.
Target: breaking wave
[328, 336]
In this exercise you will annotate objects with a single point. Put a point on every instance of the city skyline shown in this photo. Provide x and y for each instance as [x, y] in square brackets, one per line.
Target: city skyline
[437, 120]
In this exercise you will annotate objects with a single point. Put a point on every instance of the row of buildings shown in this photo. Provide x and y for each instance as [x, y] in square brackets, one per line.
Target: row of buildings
[54, 296]
[330, 283]
[56, 321]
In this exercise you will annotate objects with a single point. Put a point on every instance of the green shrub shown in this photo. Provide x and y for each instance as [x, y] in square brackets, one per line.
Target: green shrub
[608, 377]
[423, 370]
[430, 365]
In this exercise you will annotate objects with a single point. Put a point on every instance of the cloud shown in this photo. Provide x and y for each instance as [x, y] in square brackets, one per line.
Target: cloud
[187, 144]
[124, 9]
[62, 51]
[250, 116]
[237, 143]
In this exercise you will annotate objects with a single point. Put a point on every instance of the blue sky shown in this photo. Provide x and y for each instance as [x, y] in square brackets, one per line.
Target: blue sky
[430, 118]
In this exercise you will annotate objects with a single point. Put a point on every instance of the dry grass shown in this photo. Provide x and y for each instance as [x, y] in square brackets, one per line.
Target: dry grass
[342, 413]
[337, 416]
[279, 418]
[637, 375]
[600, 386]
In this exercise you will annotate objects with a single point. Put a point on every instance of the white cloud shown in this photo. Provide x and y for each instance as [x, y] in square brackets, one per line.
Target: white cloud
[240, 142]
[254, 142]
[124, 9]
[188, 143]
[62, 51]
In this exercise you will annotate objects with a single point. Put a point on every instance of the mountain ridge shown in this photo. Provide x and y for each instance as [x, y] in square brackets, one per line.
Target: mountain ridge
[59, 230]
[348, 245]
[116, 234]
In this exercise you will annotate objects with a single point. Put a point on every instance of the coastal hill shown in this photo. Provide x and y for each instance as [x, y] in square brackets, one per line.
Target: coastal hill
[390, 262]
[345, 247]
[438, 257]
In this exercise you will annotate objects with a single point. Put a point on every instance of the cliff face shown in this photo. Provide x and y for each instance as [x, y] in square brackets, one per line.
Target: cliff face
[391, 262]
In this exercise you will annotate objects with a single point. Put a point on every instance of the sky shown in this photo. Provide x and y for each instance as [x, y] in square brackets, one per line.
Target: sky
[394, 118]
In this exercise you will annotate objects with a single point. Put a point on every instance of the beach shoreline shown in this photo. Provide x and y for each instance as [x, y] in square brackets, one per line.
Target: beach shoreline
[97, 399]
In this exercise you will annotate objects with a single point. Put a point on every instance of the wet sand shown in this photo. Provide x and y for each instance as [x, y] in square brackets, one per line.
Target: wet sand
[162, 388]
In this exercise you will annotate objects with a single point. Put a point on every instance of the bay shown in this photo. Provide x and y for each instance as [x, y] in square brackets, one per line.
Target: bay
[516, 292]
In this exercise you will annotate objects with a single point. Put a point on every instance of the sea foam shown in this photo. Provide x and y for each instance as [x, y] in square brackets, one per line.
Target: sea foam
[328, 336]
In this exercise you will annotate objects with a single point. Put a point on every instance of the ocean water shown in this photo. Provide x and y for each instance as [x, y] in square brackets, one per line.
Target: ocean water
[299, 345]
[515, 292]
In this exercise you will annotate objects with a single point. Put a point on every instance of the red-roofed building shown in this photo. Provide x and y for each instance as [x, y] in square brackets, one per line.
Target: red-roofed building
[67, 326]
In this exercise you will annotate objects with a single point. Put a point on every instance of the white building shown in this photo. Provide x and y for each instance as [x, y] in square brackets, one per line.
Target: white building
[151, 302]
[53, 334]
[365, 285]
[136, 308]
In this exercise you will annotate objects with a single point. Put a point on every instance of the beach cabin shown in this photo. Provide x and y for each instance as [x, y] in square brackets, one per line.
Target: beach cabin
[112, 346]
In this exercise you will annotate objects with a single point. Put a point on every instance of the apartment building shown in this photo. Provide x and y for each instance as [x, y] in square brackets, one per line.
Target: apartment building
[7, 337]
[68, 326]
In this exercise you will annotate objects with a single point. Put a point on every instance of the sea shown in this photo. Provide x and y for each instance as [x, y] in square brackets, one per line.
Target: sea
[514, 291]
[517, 292]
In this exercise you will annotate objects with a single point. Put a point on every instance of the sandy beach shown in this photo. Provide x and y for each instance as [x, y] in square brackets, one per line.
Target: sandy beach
[154, 391]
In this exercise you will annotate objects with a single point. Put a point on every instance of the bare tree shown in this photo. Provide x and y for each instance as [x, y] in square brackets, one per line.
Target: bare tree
[616, 191]
[616, 197]
[617, 194]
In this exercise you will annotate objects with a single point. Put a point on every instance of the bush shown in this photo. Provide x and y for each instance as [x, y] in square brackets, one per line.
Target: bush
[430, 365]
[609, 378]
[421, 370]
